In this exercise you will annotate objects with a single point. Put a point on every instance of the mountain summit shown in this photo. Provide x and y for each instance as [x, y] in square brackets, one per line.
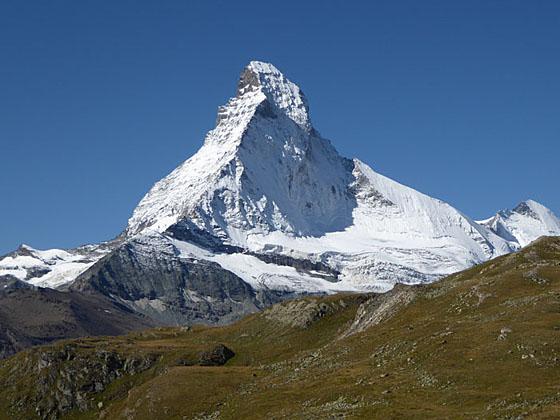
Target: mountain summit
[267, 208]
[278, 91]
[265, 181]
[527, 221]
[263, 168]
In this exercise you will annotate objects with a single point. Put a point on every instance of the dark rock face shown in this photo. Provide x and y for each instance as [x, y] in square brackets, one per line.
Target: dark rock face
[218, 356]
[248, 81]
[301, 265]
[141, 283]
[523, 208]
[147, 276]
[9, 284]
[363, 190]
[36, 272]
[31, 316]
[186, 231]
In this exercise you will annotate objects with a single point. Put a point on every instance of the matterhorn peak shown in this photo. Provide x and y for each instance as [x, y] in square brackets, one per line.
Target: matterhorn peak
[262, 91]
[266, 182]
[278, 91]
[267, 208]
[262, 167]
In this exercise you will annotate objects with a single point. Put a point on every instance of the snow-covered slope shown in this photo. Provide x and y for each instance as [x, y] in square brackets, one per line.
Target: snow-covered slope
[525, 223]
[267, 182]
[50, 268]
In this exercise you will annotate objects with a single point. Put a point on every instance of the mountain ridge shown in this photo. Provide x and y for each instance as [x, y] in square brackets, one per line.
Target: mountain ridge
[266, 209]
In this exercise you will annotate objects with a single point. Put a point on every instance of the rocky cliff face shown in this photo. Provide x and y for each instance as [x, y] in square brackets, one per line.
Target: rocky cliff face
[148, 276]
[68, 377]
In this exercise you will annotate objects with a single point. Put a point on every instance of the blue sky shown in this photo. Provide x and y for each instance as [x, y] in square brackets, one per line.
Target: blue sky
[100, 99]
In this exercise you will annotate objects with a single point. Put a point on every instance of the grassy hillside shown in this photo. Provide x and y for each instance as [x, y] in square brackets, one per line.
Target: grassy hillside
[484, 343]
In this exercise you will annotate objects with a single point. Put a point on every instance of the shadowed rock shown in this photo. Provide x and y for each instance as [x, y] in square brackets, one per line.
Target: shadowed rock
[218, 356]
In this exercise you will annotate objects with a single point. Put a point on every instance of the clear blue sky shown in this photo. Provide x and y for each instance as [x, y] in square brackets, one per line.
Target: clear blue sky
[99, 99]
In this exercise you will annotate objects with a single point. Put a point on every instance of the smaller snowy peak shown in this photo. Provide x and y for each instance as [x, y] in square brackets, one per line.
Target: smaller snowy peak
[52, 267]
[281, 93]
[527, 221]
[23, 250]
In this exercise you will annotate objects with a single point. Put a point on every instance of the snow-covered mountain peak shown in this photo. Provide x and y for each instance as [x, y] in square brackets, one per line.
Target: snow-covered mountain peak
[267, 208]
[262, 91]
[281, 93]
[526, 222]
[266, 182]
[24, 249]
[532, 209]
[52, 267]
[263, 167]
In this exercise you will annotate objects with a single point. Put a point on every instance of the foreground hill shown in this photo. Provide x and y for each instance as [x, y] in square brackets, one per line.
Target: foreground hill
[483, 343]
[32, 315]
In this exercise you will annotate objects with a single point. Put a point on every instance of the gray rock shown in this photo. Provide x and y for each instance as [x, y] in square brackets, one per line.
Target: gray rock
[218, 356]
[147, 276]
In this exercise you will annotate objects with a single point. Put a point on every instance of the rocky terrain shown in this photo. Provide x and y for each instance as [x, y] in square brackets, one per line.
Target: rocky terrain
[482, 343]
[170, 290]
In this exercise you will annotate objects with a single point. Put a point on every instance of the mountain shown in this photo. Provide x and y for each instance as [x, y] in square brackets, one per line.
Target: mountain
[149, 275]
[31, 315]
[482, 343]
[268, 209]
[53, 267]
[266, 182]
[527, 221]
